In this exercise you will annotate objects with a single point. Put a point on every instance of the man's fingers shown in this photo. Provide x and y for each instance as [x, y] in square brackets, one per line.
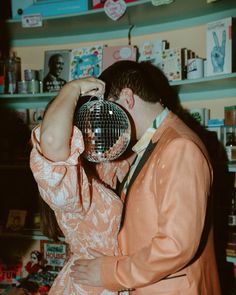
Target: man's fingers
[81, 262]
[78, 276]
[79, 268]
[95, 253]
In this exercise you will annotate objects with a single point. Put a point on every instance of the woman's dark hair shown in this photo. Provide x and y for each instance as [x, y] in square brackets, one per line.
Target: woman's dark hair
[49, 225]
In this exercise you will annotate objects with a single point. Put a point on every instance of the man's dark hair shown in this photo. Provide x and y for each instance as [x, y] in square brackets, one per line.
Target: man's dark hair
[144, 79]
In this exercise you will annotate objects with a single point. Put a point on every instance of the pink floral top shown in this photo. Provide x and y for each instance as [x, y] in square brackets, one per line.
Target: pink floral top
[86, 220]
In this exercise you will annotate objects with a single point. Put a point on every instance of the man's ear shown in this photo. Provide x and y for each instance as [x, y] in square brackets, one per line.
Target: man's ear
[128, 96]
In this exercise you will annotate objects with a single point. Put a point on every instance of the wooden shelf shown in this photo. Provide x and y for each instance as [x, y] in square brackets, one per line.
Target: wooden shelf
[17, 101]
[189, 90]
[94, 25]
[26, 236]
[206, 88]
[14, 166]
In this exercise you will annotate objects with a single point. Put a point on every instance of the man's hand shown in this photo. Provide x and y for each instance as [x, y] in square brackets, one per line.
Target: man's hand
[87, 271]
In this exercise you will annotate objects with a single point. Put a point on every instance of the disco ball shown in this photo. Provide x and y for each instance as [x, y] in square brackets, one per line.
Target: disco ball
[105, 128]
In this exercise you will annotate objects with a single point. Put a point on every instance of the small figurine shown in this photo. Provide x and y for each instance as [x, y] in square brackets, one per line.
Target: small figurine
[34, 265]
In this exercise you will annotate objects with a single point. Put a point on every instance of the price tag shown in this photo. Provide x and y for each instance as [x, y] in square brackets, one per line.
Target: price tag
[32, 21]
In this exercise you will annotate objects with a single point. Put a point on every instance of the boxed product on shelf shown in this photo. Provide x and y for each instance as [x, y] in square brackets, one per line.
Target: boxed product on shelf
[173, 63]
[56, 69]
[231, 245]
[48, 7]
[201, 115]
[86, 61]
[195, 68]
[230, 115]
[220, 43]
[151, 50]
[225, 130]
[55, 254]
[112, 54]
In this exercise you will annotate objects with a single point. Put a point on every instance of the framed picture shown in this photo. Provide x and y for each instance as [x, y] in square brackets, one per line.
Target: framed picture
[55, 254]
[56, 69]
[16, 220]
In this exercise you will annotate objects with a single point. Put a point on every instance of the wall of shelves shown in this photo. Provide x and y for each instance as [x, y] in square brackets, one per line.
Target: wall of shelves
[94, 25]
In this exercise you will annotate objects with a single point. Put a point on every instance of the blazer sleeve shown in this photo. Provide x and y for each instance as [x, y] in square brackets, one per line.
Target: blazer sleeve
[182, 184]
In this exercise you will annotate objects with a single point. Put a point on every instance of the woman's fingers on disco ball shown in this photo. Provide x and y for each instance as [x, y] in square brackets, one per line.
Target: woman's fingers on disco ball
[92, 86]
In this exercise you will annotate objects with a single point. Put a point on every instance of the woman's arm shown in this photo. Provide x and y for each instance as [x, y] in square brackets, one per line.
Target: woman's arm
[57, 125]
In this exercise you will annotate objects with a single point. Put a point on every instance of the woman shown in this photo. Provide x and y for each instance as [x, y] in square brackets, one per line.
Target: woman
[87, 210]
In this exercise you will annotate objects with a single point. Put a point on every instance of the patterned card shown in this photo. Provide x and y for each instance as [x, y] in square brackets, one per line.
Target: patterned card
[86, 61]
[112, 54]
[172, 63]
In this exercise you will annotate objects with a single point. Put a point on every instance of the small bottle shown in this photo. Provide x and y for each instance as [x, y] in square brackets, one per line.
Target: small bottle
[13, 72]
[231, 245]
[231, 146]
[232, 211]
[2, 74]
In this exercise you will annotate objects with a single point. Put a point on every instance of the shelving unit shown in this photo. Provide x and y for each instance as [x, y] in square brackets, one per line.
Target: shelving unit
[206, 88]
[95, 25]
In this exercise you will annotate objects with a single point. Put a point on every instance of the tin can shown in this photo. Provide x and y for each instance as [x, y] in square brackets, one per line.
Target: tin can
[30, 74]
[33, 86]
[22, 86]
[40, 75]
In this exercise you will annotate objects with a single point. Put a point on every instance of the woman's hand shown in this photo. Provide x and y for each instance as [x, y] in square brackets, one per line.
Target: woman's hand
[87, 86]
[57, 125]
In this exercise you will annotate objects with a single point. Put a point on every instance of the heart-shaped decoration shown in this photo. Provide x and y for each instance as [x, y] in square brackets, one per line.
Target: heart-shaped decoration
[115, 8]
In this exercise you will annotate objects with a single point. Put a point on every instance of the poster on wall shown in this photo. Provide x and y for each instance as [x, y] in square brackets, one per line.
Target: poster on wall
[221, 47]
[16, 220]
[56, 69]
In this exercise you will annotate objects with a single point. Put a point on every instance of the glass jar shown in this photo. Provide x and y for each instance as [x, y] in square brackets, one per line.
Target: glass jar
[231, 146]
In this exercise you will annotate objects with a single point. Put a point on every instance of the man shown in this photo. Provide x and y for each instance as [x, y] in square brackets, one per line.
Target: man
[53, 82]
[166, 239]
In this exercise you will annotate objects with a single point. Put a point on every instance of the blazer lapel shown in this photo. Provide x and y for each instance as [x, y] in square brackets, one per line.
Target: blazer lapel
[139, 167]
